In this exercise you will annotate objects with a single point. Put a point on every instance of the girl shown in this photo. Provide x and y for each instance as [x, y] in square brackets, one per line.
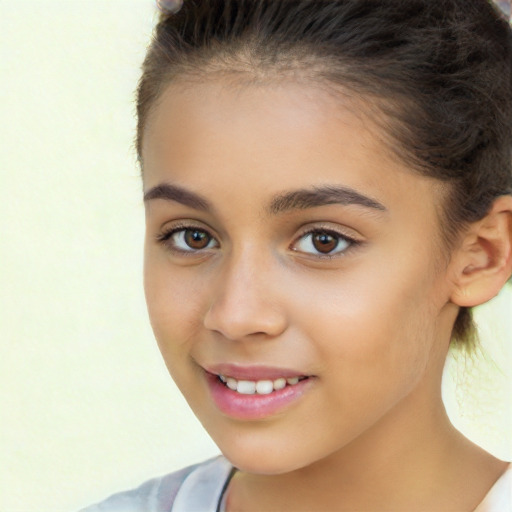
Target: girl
[328, 193]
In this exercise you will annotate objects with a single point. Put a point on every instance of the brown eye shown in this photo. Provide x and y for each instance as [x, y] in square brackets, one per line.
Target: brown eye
[324, 242]
[196, 239]
[188, 240]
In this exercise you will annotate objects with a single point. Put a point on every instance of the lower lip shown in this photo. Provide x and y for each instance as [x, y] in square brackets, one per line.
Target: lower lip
[254, 407]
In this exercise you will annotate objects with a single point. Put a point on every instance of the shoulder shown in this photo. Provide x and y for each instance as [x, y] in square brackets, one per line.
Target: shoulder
[499, 498]
[160, 494]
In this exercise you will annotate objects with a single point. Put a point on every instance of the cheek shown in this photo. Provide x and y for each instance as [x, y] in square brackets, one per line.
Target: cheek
[174, 308]
[374, 326]
[173, 303]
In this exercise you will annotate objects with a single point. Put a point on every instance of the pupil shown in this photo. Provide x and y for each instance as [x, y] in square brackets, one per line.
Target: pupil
[324, 242]
[196, 239]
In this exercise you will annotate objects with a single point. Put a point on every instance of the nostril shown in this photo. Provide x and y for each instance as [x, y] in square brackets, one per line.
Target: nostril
[237, 323]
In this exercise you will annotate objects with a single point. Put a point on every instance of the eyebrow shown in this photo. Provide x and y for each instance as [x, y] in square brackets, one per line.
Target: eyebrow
[179, 195]
[321, 196]
[300, 199]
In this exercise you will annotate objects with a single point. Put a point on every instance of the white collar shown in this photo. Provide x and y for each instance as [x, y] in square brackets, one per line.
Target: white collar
[499, 498]
[203, 488]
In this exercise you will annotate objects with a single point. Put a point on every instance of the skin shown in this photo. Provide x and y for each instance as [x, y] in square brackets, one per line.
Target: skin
[371, 324]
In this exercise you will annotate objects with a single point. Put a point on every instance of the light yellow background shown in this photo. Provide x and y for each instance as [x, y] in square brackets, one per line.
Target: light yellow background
[86, 405]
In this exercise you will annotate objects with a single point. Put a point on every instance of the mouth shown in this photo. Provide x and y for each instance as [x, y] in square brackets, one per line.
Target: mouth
[259, 387]
[255, 393]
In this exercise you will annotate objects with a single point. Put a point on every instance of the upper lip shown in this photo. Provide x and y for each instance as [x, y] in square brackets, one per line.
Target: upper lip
[253, 372]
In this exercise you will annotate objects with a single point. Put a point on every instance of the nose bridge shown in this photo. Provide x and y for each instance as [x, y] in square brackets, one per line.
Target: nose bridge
[243, 300]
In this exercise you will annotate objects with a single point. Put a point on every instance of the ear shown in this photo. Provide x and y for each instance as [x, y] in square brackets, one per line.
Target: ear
[483, 262]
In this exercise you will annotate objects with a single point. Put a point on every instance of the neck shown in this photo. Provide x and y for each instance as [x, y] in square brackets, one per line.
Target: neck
[392, 466]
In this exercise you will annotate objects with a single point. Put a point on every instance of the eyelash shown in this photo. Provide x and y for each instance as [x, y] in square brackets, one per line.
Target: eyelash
[165, 239]
[340, 237]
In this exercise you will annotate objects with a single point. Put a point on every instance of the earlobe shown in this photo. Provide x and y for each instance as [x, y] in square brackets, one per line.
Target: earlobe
[483, 263]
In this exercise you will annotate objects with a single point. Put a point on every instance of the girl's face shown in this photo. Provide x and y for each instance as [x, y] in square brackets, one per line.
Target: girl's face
[285, 241]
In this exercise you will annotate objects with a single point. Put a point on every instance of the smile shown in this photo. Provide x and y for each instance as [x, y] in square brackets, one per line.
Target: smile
[256, 394]
[260, 387]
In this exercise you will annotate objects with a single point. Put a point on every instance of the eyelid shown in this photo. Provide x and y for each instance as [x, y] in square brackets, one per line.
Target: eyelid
[330, 227]
[338, 232]
[167, 232]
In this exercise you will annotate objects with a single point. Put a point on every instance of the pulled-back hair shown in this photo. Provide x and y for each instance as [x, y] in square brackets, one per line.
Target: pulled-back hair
[438, 71]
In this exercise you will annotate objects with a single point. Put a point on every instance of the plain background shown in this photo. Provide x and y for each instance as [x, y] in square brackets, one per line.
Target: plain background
[86, 405]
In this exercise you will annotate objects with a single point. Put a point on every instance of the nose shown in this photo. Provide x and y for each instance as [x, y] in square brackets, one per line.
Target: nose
[245, 301]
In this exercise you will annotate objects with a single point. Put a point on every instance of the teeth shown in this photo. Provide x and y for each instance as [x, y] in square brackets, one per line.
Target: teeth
[246, 387]
[264, 387]
[231, 383]
[260, 387]
[279, 383]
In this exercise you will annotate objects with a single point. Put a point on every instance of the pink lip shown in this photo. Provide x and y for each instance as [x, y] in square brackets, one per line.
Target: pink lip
[253, 372]
[254, 407]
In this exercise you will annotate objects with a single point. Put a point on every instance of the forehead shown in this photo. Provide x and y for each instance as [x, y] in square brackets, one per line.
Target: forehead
[257, 140]
[251, 114]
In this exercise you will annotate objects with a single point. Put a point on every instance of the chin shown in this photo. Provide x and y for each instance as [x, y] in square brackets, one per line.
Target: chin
[260, 466]
[263, 460]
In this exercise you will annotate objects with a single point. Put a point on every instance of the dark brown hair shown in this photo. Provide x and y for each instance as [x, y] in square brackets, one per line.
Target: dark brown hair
[440, 72]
